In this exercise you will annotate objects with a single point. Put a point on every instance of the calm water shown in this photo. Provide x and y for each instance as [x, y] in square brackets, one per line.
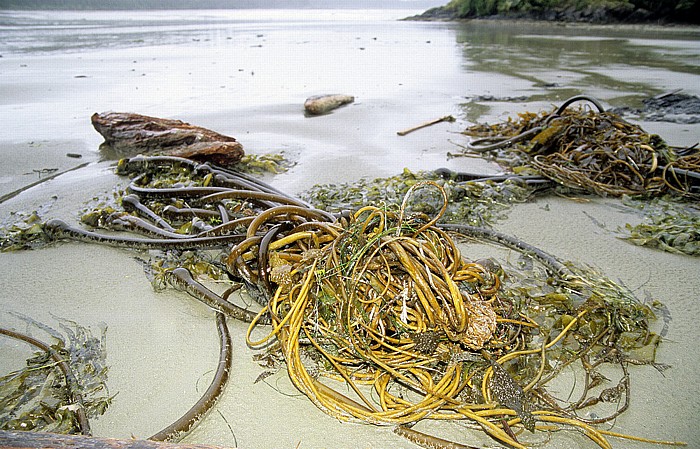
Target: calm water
[212, 60]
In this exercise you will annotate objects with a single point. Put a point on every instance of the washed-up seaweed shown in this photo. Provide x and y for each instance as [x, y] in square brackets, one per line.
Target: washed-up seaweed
[478, 203]
[61, 386]
[590, 150]
[384, 305]
[259, 164]
[376, 312]
[669, 225]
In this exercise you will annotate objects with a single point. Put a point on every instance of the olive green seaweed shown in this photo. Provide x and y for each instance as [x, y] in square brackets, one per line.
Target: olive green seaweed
[39, 396]
[473, 203]
[669, 224]
[374, 292]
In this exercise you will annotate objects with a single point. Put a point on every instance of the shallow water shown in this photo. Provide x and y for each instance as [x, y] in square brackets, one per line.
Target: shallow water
[246, 74]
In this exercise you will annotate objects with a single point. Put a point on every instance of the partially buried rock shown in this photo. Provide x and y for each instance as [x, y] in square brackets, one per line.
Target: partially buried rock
[323, 104]
[127, 134]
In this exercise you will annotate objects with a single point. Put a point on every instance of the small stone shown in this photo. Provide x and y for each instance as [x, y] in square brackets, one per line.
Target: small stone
[323, 104]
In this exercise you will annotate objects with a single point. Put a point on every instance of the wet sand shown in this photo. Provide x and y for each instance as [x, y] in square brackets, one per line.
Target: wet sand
[162, 347]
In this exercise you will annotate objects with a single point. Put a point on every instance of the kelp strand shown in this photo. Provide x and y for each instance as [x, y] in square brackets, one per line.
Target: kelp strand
[184, 424]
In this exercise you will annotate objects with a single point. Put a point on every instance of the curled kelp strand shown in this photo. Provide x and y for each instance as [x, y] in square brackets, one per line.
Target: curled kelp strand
[188, 421]
[428, 441]
[59, 229]
[133, 203]
[182, 278]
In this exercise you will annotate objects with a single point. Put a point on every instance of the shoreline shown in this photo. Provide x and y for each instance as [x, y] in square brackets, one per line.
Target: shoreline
[651, 25]
[596, 13]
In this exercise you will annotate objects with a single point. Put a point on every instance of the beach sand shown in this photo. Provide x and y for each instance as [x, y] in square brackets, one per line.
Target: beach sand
[162, 346]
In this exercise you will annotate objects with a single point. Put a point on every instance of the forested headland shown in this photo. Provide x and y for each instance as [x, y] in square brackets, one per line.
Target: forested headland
[592, 11]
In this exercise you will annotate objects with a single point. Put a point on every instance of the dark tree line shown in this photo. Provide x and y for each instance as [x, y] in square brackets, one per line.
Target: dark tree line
[678, 11]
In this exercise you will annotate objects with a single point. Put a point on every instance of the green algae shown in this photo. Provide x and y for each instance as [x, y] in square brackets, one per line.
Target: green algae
[473, 203]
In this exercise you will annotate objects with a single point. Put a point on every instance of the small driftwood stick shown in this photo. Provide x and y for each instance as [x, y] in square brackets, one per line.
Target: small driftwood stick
[39, 440]
[447, 118]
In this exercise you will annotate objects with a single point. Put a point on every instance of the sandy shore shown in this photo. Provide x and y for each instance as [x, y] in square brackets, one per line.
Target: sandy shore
[162, 347]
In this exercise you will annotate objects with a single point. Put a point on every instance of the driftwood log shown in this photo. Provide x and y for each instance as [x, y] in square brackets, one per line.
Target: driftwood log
[38, 440]
[127, 134]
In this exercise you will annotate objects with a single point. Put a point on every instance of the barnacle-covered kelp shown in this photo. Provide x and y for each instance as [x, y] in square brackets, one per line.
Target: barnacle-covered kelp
[478, 203]
[62, 385]
[591, 150]
[669, 224]
[379, 313]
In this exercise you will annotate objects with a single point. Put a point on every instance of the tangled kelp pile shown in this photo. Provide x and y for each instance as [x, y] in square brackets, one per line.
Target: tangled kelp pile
[386, 305]
[62, 385]
[594, 151]
[590, 150]
[376, 312]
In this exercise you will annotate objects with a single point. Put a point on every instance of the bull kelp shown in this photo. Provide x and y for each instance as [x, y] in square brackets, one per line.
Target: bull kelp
[593, 151]
[62, 385]
[376, 312]
[590, 150]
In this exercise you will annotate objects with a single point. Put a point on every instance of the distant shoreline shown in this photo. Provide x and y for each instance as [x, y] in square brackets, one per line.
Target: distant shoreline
[591, 15]
[666, 26]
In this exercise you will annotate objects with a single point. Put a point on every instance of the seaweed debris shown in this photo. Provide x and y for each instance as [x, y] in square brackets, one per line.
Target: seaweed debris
[477, 203]
[590, 150]
[41, 397]
[260, 164]
[376, 312]
[672, 226]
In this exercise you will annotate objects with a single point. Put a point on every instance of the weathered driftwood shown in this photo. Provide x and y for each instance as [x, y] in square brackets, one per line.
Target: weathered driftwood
[127, 134]
[323, 104]
[38, 440]
[447, 118]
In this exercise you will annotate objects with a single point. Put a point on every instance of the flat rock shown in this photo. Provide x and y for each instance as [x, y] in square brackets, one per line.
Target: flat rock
[673, 107]
[323, 104]
[127, 134]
